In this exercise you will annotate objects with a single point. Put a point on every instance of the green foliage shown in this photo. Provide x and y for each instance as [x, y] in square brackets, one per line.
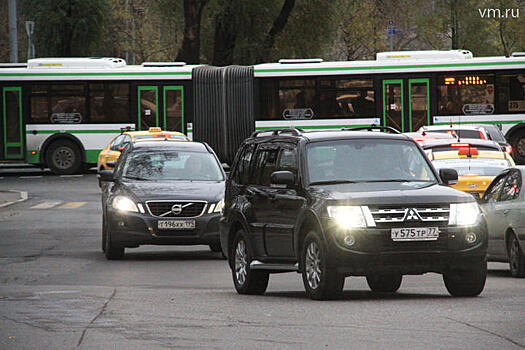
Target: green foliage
[66, 27]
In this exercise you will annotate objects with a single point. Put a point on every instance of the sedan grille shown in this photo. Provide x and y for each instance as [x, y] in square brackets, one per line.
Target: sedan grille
[418, 215]
[176, 209]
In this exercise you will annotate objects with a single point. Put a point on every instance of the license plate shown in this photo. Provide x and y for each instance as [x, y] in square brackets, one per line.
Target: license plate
[415, 234]
[176, 224]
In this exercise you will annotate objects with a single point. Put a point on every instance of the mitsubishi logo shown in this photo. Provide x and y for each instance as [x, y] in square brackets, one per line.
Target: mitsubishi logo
[176, 209]
[411, 214]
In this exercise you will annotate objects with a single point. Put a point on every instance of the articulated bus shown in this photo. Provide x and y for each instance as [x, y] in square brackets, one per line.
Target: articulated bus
[59, 113]
[405, 90]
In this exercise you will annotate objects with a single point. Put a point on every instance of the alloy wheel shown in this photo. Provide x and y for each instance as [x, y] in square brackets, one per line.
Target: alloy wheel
[241, 262]
[313, 265]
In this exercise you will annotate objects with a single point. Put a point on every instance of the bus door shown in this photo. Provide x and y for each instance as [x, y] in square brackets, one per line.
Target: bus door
[12, 139]
[173, 97]
[148, 107]
[406, 103]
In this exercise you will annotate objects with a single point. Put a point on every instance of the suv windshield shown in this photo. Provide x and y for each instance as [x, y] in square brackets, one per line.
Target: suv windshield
[171, 165]
[367, 160]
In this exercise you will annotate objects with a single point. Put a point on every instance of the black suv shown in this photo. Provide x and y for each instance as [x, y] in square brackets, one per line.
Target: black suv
[347, 203]
[162, 192]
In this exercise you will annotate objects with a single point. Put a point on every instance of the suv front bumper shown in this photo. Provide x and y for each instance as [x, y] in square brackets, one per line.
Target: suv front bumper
[374, 252]
[131, 229]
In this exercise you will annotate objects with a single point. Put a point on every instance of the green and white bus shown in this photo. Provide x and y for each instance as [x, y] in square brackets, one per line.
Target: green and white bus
[405, 90]
[60, 112]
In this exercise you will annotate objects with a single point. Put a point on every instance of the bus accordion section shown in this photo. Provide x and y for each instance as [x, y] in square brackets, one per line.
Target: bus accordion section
[223, 100]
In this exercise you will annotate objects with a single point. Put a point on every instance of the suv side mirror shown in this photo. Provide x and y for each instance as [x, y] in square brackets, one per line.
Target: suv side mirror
[225, 167]
[106, 175]
[449, 176]
[283, 178]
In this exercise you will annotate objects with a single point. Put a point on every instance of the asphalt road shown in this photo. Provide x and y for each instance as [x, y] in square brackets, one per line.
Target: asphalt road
[57, 291]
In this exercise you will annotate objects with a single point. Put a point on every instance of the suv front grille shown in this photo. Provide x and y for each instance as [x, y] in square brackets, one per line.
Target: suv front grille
[169, 209]
[418, 215]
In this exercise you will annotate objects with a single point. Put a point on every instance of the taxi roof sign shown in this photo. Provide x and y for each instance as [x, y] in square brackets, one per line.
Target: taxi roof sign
[155, 129]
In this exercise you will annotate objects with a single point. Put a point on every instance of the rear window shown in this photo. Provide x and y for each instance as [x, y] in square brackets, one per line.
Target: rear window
[474, 166]
[466, 134]
[441, 148]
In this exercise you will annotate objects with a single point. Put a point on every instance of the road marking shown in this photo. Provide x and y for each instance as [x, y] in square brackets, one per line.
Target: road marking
[46, 205]
[72, 205]
[71, 175]
[30, 177]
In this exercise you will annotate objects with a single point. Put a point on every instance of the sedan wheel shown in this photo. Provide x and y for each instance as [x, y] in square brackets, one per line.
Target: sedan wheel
[516, 258]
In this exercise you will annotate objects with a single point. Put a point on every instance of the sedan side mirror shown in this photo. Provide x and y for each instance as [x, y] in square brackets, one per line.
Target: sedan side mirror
[106, 175]
[283, 178]
[449, 176]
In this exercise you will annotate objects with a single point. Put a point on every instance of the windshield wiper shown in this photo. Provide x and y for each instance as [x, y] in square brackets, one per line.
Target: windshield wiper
[135, 178]
[333, 182]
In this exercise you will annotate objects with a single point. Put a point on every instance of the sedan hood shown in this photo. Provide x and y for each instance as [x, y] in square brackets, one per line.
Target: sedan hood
[210, 191]
[388, 193]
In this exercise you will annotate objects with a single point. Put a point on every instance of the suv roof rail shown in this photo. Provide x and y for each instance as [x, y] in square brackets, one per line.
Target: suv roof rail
[127, 128]
[374, 127]
[275, 132]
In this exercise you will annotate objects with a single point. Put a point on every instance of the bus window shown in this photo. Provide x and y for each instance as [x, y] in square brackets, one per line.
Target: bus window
[278, 95]
[68, 104]
[347, 98]
[109, 103]
[511, 93]
[39, 104]
[468, 94]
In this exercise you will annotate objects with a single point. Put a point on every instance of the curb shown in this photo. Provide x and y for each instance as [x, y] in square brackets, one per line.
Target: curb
[23, 197]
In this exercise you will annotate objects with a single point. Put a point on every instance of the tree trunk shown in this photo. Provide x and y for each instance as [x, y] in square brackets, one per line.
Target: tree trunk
[277, 28]
[226, 27]
[190, 50]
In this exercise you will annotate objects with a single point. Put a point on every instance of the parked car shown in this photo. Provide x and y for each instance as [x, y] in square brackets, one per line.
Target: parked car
[504, 206]
[347, 203]
[163, 193]
[476, 161]
[110, 154]
[472, 131]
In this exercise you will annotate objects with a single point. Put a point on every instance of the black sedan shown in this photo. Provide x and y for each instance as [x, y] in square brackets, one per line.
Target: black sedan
[162, 193]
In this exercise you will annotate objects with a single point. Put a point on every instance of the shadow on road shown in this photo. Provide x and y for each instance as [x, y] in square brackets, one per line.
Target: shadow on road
[499, 273]
[175, 255]
[363, 295]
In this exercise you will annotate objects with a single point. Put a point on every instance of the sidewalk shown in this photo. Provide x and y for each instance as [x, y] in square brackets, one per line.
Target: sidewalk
[11, 197]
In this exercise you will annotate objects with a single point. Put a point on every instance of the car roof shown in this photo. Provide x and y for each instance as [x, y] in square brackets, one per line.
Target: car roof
[472, 142]
[149, 132]
[453, 127]
[313, 136]
[170, 145]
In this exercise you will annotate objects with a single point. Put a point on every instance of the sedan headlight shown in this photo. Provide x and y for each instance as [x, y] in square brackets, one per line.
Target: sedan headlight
[464, 214]
[347, 216]
[124, 204]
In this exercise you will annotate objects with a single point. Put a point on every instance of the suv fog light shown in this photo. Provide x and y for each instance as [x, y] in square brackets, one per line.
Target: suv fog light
[349, 240]
[470, 237]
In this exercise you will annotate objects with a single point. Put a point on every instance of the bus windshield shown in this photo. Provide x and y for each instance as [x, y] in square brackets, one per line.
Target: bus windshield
[366, 160]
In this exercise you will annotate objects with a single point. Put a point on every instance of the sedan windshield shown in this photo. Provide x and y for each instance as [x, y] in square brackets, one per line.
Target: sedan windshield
[367, 160]
[475, 166]
[172, 165]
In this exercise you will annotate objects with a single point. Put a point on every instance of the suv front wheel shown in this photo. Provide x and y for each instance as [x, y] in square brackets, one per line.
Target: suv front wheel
[320, 282]
[246, 280]
[467, 283]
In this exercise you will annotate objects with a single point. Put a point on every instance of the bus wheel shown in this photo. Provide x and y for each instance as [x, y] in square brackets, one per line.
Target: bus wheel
[518, 146]
[63, 157]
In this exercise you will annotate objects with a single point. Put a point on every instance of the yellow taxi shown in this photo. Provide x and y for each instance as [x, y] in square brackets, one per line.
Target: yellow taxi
[476, 167]
[110, 154]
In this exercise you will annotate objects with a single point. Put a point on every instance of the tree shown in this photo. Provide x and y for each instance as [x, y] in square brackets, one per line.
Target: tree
[190, 50]
[66, 28]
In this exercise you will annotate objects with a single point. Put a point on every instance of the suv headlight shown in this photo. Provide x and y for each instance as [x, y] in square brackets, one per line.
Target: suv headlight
[464, 214]
[347, 216]
[216, 208]
[124, 204]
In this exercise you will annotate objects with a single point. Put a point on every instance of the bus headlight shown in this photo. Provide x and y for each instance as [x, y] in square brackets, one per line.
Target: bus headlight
[124, 204]
[464, 214]
[347, 216]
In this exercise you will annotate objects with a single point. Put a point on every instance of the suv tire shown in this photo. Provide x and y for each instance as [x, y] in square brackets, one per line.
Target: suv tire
[246, 280]
[320, 281]
[466, 283]
[386, 283]
[516, 257]
[112, 251]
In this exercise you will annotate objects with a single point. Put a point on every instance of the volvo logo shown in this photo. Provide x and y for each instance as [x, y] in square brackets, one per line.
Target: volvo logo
[411, 214]
[176, 209]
